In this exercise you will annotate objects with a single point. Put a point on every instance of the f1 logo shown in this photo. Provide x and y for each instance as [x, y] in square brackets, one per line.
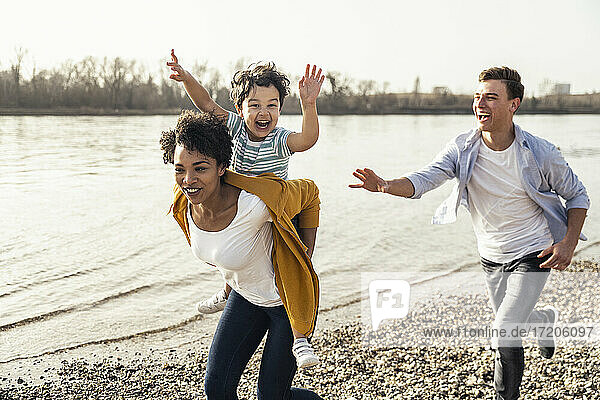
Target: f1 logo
[389, 300]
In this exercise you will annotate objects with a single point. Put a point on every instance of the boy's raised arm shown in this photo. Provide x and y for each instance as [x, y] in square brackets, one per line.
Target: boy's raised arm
[308, 88]
[194, 89]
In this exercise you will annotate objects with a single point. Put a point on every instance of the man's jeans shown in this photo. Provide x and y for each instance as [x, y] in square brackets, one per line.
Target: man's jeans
[239, 332]
[514, 289]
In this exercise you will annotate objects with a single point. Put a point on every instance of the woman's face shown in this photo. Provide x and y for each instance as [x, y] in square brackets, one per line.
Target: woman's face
[197, 175]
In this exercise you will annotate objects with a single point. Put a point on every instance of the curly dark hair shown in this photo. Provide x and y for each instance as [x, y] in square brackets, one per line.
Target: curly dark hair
[258, 74]
[508, 76]
[198, 131]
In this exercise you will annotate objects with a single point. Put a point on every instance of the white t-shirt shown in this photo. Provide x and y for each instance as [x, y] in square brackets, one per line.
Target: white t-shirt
[242, 251]
[507, 222]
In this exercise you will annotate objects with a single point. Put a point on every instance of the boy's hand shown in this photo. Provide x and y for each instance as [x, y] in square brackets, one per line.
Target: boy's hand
[309, 88]
[310, 85]
[180, 75]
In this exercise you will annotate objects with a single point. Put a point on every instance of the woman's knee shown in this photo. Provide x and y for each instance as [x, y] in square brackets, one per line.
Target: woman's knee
[215, 387]
[271, 392]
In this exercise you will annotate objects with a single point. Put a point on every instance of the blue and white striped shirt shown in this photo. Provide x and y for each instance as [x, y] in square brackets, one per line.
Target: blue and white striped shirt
[255, 158]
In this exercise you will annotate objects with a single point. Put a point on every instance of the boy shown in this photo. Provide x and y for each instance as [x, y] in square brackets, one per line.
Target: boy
[259, 145]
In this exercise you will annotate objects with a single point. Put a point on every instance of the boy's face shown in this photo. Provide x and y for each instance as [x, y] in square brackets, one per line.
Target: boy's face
[260, 111]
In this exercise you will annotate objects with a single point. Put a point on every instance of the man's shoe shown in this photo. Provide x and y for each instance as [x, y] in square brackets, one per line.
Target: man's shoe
[213, 304]
[304, 353]
[547, 344]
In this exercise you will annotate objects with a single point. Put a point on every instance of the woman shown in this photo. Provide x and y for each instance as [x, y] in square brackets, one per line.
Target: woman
[241, 225]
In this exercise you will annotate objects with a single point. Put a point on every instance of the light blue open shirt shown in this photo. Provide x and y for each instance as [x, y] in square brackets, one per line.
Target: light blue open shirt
[545, 175]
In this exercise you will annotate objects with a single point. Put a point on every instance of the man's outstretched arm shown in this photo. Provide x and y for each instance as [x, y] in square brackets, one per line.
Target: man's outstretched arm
[370, 181]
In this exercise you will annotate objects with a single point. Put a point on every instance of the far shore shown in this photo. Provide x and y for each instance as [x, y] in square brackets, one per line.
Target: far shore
[128, 112]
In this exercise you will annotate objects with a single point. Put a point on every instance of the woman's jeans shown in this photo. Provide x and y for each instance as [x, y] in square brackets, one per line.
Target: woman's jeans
[514, 289]
[239, 332]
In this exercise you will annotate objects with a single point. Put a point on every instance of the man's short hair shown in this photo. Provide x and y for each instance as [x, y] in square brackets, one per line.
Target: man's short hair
[258, 74]
[509, 76]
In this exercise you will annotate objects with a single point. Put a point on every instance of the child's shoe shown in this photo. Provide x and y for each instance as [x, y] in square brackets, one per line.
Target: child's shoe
[304, 353]
[213, 304]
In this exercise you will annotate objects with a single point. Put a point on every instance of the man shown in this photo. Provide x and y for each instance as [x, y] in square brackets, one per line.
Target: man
[510, 181]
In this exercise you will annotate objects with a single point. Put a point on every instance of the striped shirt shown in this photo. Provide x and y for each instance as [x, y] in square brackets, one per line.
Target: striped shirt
[255, 158]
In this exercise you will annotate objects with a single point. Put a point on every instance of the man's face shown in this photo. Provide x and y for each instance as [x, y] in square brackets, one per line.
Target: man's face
[260, 111]
[492, 107]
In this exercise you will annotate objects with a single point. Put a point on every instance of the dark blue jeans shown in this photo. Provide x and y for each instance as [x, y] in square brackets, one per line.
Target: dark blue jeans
[239, 332]
[514, 289]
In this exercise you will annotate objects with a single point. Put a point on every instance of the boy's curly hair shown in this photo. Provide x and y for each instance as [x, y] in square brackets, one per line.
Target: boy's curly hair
[198, 131]
[258, 74]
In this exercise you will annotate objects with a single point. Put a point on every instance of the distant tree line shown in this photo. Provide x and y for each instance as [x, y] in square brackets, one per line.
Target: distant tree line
[108, 84]
[119, 85]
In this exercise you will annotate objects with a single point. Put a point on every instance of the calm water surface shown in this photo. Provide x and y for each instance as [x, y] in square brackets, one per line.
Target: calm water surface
[88, 253]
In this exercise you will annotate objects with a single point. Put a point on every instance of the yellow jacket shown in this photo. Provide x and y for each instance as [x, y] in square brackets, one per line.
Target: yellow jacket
[295, 277]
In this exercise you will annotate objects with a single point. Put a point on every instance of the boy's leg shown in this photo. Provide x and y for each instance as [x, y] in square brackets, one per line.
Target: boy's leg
[308, 236]
[296, 222]
[215, 303]
[238, 334]
[278, 366]
[303, 351]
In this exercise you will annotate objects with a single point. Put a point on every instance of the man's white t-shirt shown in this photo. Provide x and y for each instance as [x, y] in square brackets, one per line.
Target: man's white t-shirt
[242, 251]
[507, 222]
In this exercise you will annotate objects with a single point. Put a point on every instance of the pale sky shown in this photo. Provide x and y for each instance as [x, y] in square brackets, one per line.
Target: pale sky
[444, 42]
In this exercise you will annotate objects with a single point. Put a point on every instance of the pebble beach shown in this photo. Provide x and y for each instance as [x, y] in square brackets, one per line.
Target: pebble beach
[149, 368]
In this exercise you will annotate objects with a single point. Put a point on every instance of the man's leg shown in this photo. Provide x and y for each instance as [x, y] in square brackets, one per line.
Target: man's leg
[514, 290]
[495, 281]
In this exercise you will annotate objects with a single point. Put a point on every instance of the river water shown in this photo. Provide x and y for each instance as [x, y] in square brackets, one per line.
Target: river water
[87, 252]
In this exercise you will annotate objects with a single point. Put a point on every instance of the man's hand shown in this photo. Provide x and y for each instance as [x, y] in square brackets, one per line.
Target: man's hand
[370, 181]
[562, 253]
[180, 75]
[310, 85]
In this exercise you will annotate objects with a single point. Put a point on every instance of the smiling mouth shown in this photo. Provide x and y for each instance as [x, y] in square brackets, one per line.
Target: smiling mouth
[191, 191]
[482, 117]
[262, 124]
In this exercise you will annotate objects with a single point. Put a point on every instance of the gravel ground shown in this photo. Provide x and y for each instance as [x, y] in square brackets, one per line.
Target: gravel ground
[351, 370]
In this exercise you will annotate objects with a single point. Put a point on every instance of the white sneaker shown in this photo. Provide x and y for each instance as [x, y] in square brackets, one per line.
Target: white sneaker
[213, 304]
[304, 353]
